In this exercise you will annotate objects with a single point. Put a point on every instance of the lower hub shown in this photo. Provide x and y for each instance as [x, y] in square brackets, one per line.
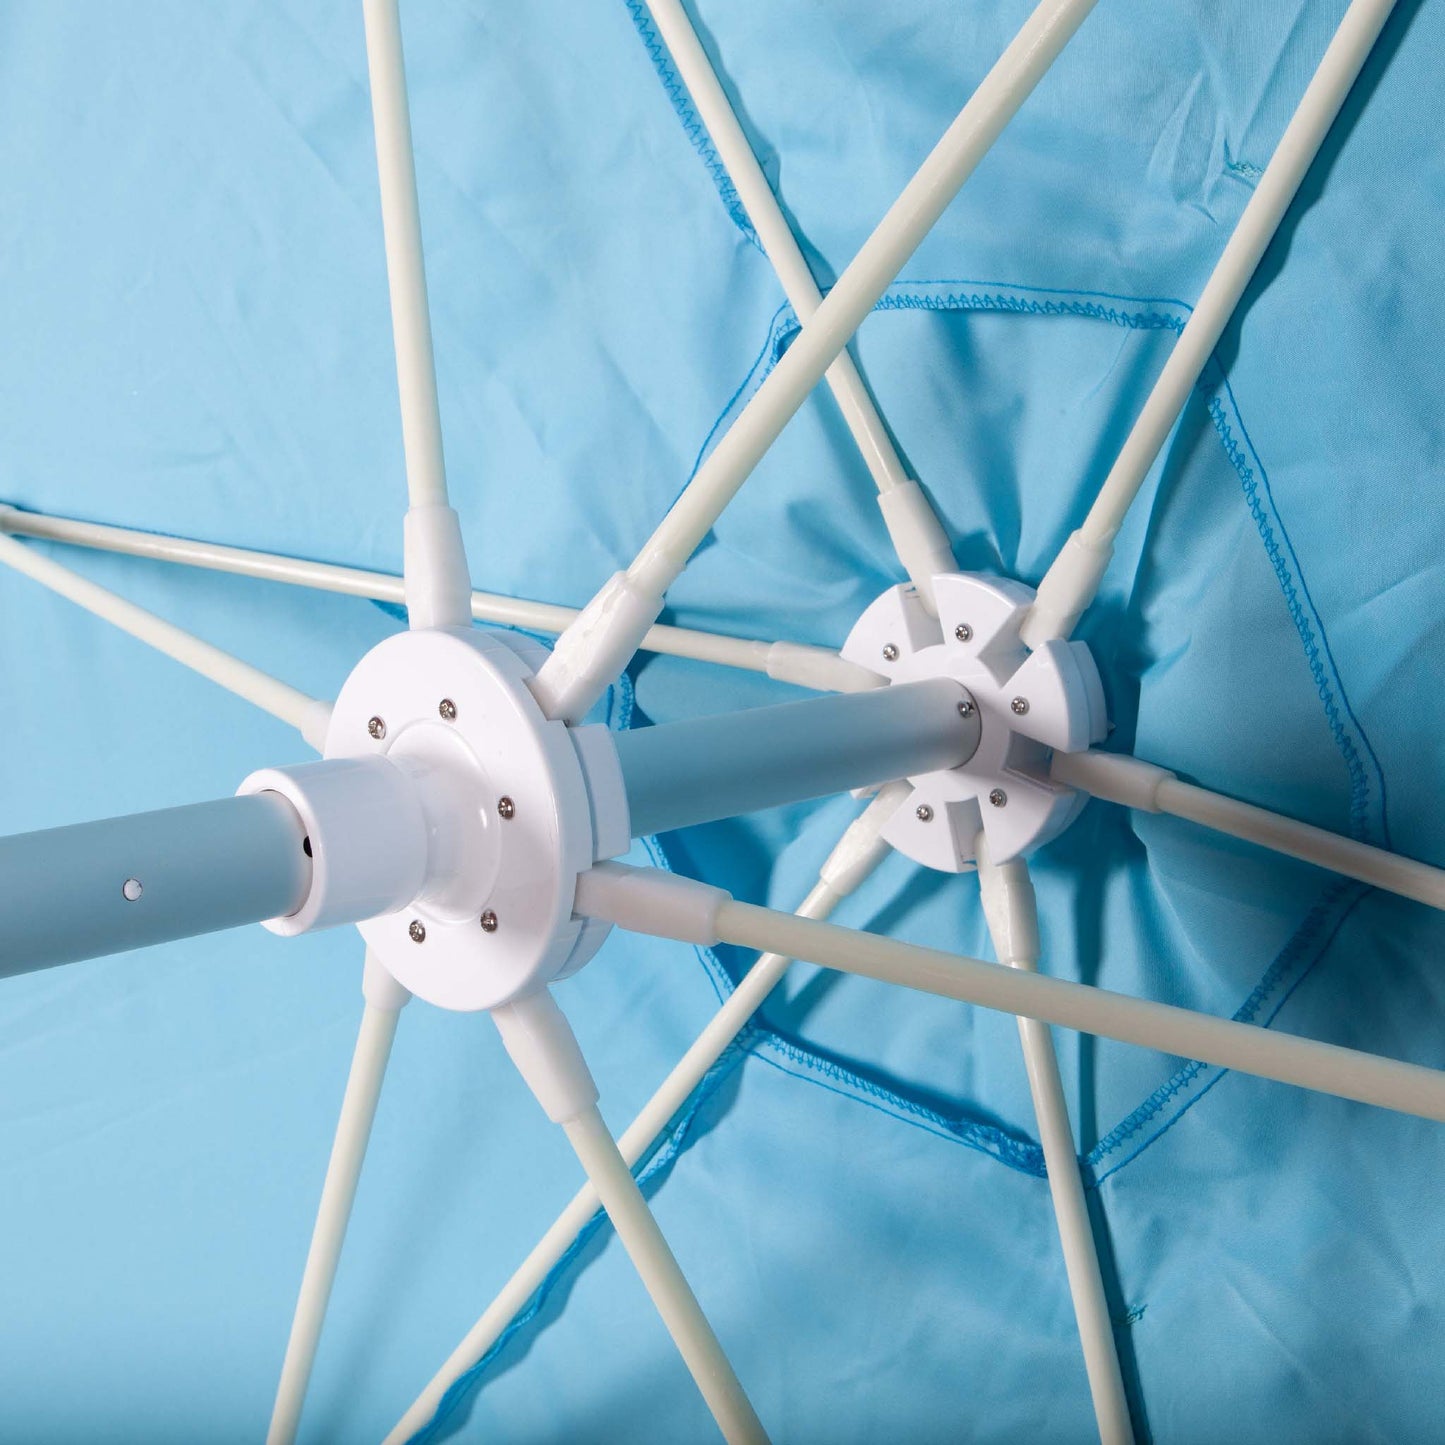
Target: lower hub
[473, 813]
[1030, 704]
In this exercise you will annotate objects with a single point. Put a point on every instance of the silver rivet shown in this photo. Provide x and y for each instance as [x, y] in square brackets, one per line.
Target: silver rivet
[923, 813]
[417, 930]
[1020, 705]
[131, 890]
[965, 708]
[448, 709]
[998, 797]
[890, 653]
[963, 632]
[489, 922]
[506, 808]
[376, 728]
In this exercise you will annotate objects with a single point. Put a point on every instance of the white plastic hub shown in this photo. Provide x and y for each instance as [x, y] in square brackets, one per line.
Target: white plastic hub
[1030, 704]
[470, 813]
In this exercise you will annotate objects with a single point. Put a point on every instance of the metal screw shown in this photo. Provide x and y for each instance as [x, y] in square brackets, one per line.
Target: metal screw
[506, 808]
[376, 728]
[417, 930]
[923, 813]
[963, 632]
[1019, 706]
[448, 709]
[965, 708]
[998, 797]
[131, 890]
[890, 653]
[489, 922]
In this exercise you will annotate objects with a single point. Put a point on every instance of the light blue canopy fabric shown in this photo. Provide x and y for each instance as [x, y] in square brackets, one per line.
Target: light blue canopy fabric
[196, 340]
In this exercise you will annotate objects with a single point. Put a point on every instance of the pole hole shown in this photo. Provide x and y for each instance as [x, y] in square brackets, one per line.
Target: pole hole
[131, 890]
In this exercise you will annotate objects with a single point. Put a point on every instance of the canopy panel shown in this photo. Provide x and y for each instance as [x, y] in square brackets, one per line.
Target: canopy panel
[198, 342]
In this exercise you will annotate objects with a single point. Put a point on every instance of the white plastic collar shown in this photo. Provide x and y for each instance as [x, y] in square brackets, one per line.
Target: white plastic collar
[918, 538]
[366, 833]
[596, 647]
[438, 590]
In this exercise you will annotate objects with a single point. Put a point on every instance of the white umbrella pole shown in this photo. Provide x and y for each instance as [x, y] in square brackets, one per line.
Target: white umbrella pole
[592, 651]
[1137, 784]
[857, 854]
[307, 715]
[384, 1001]
[438, 592]
[652, 901]
[1068, 587]
[918, 538]
[818, 668]
[543, 1047]
[1012, 913]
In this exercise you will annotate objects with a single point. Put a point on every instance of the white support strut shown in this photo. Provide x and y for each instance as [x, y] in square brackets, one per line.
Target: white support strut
[436, 568]
[621, 895]
[1012, 913]
[406, 270]
[1069, 586]
[544, 1048]
[384, 1002]
[610, 1177]
[799, 663]
[308, 715]
[1133, 783]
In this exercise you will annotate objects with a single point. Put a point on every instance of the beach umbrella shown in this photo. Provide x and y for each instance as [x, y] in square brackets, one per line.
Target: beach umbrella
[1110, 1118]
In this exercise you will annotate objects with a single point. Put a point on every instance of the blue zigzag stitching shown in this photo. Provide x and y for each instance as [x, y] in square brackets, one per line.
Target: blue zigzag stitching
[692, 125]
[1368, 821]
[1294, 964]
[959, 1127]
[908, 296]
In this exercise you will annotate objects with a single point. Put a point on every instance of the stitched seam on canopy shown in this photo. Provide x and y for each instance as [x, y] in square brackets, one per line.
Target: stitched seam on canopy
[692, 125]
[903, 299]
[1014, 1150]
[1349, 735]
[781, 330]
[1289, 970]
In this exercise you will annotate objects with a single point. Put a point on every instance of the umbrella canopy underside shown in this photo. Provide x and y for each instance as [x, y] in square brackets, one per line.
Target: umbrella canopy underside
[198, 342]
